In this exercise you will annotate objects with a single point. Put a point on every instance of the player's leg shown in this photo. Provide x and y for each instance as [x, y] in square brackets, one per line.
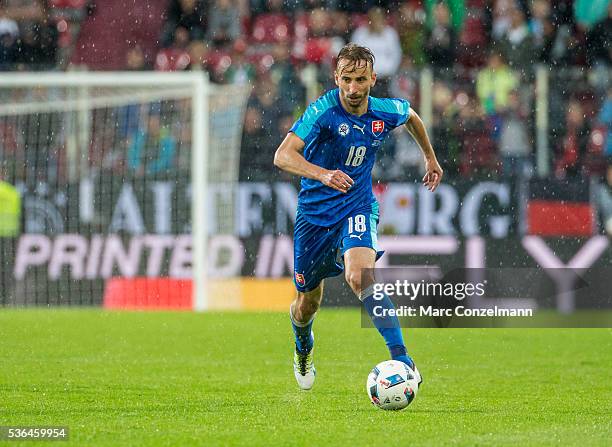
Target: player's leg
[312, 246]
[302, 313]
[359, 242]
[359, 273]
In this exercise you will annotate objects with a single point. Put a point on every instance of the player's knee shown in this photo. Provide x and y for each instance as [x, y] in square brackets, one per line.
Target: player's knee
[359, 279]
[306, 308]
[307, 304]
[353, 278]
[309, 307]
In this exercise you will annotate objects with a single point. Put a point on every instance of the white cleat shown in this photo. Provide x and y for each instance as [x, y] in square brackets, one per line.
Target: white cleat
[418, 375]
[304, 370]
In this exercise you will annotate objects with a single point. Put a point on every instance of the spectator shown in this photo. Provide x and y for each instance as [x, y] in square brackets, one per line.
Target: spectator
[192, 18]
[341, 26]
[151, 151]
[11, 157]
[605, 119]
[271, 106]
[36, 47]
[272, 6]
[589, 12]
[478, 152]
[364, 6]
[26, 12]
[108, 149]
[444, 137]
[598, 41]
[316, 44]
[284, 75]
[604, 201]
[257, 147]
[189, 14]
[309, 5]
[241, 71]
[200, 59]
[224, 22]
[8, 25]
[514, 143]
[257, 7]
[319, 46]
[175, 57]
[405, 84]
[9, 34]
[545, 36]
[411, 30]
[135, 59]
[517, 45]
[128, 117]
[494, 84]
[284, 124]
[199, 56]
[574, 142]
[564, 40]
[398, 159]
[502, 13]
[384, 42]
[441, 40]
[540, 14]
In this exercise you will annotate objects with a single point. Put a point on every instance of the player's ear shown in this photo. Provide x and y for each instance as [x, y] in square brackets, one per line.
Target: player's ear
[373, 79]
[336, 78]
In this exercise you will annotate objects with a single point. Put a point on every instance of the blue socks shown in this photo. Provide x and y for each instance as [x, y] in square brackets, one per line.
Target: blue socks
[304, 340]
[388, 326]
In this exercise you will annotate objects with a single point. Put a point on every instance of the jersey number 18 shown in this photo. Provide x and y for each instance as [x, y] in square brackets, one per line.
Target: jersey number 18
[355, 156]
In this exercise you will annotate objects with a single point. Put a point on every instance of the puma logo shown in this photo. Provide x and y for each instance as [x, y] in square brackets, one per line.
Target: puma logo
[358, 236]
[362, 128]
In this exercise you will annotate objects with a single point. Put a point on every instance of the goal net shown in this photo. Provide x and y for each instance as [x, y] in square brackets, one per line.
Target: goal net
[117, 189]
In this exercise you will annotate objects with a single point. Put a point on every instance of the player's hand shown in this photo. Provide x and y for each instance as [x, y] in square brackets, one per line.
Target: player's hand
[433, 174]
[337, 180]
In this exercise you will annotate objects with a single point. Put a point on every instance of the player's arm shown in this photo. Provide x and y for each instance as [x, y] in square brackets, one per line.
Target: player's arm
[288, 157]
[433, 171]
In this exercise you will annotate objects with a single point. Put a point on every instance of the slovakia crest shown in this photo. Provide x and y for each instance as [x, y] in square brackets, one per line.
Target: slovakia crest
[343, 129]
[378, 127]
[299, 279]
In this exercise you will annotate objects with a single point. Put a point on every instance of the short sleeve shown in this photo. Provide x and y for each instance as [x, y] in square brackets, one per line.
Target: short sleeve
[403, 111]
[308, 126]
[395, 111]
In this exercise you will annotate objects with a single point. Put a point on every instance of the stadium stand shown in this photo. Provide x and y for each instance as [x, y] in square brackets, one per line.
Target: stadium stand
[291, 44]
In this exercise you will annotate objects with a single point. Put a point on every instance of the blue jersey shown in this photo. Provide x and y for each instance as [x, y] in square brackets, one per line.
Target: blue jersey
[336, 139]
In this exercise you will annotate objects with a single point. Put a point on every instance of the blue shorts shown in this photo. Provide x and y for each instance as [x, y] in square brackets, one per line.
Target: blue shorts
[318, 252]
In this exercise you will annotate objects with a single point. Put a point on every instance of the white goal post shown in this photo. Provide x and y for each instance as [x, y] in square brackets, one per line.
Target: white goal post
[83, 92]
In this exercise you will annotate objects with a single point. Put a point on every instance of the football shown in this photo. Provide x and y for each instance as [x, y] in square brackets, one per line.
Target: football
[392, 385]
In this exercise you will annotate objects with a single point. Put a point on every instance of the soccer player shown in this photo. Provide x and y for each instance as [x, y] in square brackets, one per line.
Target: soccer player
[333, 148]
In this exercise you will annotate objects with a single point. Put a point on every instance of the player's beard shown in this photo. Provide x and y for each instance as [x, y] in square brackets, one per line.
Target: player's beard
[356, 102]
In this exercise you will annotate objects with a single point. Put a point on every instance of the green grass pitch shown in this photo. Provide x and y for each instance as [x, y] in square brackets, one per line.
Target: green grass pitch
[122, 378]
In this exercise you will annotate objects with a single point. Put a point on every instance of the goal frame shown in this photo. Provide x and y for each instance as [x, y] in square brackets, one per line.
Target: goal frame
[201, 87]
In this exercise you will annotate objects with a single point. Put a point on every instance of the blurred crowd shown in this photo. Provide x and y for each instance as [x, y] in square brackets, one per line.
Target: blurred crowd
[27, 36]
[483, 56]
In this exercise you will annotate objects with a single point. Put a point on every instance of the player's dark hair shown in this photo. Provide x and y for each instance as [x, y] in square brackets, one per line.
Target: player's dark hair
[356, 55]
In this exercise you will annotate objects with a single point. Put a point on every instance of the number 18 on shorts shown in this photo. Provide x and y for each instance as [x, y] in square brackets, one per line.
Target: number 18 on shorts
[319, 251]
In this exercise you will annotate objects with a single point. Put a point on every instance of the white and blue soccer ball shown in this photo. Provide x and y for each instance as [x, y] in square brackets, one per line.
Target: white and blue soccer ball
[392, 385]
